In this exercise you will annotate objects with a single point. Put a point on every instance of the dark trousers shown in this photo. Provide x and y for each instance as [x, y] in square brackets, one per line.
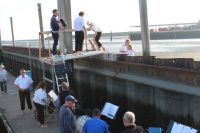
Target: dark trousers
[97, 39]
[55, 43]
[40, 112]
[25, 95]
[3, 85]
[79, 37]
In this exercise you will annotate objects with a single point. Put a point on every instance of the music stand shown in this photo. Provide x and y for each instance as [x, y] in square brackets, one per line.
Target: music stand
[53, 98]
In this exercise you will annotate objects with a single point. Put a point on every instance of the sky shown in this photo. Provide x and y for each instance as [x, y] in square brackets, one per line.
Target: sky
[109, 15]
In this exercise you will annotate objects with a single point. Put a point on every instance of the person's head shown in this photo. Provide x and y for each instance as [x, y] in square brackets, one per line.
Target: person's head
[81, 13]
[65, 86]
[129, 119]
[70, 101]
[22, 72]
[42, 85]
[96, 112]
[1, 66]
[55, 12]
[127, 42]
[89, 23]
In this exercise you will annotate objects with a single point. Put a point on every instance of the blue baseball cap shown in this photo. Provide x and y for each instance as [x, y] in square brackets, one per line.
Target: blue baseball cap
[70, 98]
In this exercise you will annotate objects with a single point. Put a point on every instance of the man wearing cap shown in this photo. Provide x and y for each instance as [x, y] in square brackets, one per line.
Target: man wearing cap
[23, 82]
[67, 117]
[3, 78]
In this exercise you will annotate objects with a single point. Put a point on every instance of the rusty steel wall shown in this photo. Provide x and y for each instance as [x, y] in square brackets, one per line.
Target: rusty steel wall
[101, 78]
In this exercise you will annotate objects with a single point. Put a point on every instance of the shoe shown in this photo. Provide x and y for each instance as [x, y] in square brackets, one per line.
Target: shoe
[43, 125]
[23, 112]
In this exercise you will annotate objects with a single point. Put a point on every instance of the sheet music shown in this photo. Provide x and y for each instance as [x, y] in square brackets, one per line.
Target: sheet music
[180, 128]
[53, 95]
[109, 110]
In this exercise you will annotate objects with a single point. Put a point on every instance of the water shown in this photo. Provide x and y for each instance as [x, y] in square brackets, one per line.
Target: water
[185, 48]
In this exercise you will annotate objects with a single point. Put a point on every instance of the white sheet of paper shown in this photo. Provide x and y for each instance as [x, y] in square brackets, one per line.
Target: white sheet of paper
[109, 110]
[53, 95]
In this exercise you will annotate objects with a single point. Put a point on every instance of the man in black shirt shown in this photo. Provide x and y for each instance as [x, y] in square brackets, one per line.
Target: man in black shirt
[55, 30]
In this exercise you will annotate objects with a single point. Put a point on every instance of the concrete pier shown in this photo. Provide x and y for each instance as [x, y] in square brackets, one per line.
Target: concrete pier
[157, 90]
[10, 107]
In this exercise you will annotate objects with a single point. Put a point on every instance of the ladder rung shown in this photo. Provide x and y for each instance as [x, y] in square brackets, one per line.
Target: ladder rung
[61, 78]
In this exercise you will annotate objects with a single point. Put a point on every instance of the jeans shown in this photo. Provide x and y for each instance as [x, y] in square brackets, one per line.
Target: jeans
[3, 85]
[79, 37]
[97, 39]
[55, 43]
[25, 95]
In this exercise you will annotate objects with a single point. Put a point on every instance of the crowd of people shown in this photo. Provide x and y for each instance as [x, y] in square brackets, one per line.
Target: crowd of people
[69, 121]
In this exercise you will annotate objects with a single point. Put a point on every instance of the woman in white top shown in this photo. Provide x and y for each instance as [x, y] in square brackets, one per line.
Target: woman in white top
[40, 100]
[126, 48]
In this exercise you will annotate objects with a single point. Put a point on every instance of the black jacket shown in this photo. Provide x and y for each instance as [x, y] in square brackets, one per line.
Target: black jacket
[133, 129]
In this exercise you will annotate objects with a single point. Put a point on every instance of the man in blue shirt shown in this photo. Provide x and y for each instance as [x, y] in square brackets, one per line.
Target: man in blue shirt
[55, 29]
[95, 125]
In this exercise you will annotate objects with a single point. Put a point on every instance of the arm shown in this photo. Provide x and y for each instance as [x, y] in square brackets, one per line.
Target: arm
[85, 32]
[106, 129]
[84, 130]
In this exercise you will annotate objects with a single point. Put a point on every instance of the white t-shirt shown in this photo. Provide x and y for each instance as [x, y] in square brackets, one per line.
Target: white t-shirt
[124, 49]
[23, 82]
[40, 96]
[79, 23]
[94, 27]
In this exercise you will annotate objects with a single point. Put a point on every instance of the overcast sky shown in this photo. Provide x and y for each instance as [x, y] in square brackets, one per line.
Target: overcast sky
[115, 15]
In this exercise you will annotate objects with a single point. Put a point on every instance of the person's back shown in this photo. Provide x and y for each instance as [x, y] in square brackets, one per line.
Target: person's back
[133, 129]
[95, 125]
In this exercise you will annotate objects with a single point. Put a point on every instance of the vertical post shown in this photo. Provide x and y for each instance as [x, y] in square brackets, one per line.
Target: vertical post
[41, 24]
[65, 38]
[12, 31]
[144, 27]
[0, 40]
[111, 35]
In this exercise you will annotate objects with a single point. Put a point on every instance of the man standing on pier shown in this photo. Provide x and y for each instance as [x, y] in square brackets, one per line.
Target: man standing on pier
[55, 30]
[23, 82]
[80, 31]
[67, 117]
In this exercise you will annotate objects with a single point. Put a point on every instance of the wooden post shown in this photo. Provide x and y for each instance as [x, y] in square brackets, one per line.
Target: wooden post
[39, 46]
[144, 27]
[65, 38]
[12, 31]
[41, 24]
[0, 40]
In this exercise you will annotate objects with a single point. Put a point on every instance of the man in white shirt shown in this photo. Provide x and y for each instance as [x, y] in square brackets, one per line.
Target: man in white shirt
[80, 31]
[23, 82]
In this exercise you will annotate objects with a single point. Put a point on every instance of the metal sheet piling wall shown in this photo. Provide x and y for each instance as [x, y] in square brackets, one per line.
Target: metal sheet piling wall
[156, 90]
